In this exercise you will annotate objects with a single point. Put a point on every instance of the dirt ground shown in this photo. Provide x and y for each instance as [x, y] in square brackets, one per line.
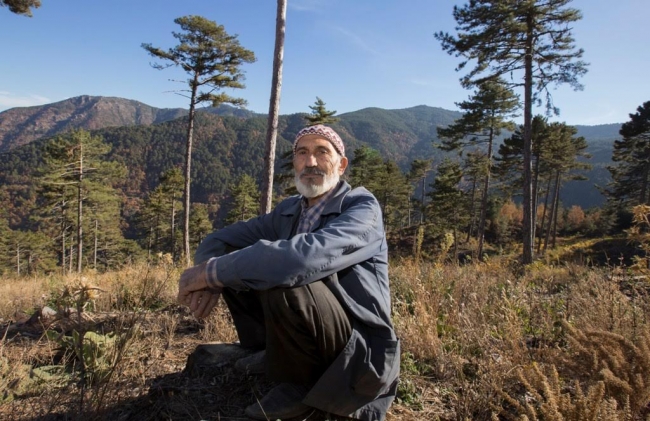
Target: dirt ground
[151, 381]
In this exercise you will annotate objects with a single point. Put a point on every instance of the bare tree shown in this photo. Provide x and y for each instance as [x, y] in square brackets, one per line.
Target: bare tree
[274, 108]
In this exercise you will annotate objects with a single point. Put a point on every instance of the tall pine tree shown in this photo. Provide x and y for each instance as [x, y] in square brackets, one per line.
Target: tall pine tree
[530, 41]
[485, 116]
[448, 202]
[212, 59]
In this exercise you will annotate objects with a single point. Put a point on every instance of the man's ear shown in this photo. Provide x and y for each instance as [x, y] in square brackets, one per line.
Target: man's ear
[343, 166]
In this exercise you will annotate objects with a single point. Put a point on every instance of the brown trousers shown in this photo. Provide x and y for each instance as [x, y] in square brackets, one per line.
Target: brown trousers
[303, 329]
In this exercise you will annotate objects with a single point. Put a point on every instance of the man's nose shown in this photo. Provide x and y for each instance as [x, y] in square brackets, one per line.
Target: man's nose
[311, 160]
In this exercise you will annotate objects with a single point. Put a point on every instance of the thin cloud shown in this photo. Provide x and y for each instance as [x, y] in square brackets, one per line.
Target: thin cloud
[430, 83]
[424, 82]
[9, 100]
[357, 40]
[306, 5]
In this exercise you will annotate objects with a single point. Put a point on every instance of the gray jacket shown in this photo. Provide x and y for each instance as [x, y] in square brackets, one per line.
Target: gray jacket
[348, 241]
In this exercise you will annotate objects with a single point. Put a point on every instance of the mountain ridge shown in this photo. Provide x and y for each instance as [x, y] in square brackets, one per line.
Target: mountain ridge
[22, 125]
[234, 138]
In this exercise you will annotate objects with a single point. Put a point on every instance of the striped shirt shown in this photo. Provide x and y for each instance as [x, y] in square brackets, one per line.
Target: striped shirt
[309, 217]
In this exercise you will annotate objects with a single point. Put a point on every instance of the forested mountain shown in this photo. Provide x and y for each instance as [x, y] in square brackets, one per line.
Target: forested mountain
[21, 125]
[149, 141]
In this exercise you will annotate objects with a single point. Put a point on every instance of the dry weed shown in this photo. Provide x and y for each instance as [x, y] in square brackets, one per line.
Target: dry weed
[546, 398]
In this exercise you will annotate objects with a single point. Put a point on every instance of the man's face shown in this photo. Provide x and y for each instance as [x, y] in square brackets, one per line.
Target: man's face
[317, 165]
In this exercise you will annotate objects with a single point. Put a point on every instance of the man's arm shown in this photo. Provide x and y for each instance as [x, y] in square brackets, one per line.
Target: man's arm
[239, 235]
[195, 289]
[353, 237]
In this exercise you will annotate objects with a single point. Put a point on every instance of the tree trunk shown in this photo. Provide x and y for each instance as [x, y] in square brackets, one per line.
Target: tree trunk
[18, 258]
[455, 244]
[80, 208]
[188, 173]
[541, 228]
[274, 109]
[535, 188]
[472, 221]
[557, 206]
[422, 199]
[553, 213]
[172, 239]
[644, 185]
[150, 240]
[484, 199]
[70, 256]
[528, 222]
[64, 230]
[95, 248]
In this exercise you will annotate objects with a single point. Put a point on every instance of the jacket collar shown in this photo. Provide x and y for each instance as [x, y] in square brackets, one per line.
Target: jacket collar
[336, 202]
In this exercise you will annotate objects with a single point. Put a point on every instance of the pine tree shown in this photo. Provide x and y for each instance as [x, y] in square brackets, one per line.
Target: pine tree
[212, 59]
[510, 162]
[531, 38]
[245, 197]
[367, 169]
[158, 213]
[631, 168]
[557, 155]
[559, 158]
[171, 185]
[393, 192]
[485, 116]
[448, 202]
[320, 114]
[200, 224]
[474, 172]
[75, 180]
[21, 7]
[418, 174]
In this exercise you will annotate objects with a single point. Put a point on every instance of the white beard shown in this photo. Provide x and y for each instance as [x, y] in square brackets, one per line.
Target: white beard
[314, 190]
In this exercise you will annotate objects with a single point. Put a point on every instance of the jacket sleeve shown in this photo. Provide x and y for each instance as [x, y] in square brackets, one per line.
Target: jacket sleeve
[237, 236]
[350, 238]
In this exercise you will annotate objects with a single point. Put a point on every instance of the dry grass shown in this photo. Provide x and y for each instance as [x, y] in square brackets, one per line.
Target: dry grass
[480, 342]
[468, 332]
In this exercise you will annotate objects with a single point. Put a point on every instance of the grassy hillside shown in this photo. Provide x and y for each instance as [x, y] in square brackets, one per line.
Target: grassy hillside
[479, 342]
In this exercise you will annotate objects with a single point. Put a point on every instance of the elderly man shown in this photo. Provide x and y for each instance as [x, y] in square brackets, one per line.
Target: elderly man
[307, 287]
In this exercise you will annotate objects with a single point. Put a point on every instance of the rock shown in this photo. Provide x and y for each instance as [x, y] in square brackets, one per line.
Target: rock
[214, 355]
[41, 316]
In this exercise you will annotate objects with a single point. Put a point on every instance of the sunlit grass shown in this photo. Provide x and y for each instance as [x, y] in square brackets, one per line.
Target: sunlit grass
[468, 332]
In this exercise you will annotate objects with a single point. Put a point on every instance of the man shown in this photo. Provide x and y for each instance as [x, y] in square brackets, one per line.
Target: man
[307, 284]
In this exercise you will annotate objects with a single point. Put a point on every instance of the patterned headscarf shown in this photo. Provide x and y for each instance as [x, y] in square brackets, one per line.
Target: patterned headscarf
[324, 132]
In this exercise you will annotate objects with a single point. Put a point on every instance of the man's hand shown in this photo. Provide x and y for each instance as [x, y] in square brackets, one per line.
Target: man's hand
[192, 279]
[193, 291]
[202, 302]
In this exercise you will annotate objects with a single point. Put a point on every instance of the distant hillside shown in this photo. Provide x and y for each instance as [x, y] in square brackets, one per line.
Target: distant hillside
[599, 132]
[400, 135]
[19, 126]
[600, 141]
[230, 141]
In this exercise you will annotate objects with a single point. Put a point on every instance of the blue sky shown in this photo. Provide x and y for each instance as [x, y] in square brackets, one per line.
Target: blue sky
[352, 53]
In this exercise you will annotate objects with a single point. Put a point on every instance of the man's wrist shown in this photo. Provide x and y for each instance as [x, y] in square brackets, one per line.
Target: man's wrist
[211, 274]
